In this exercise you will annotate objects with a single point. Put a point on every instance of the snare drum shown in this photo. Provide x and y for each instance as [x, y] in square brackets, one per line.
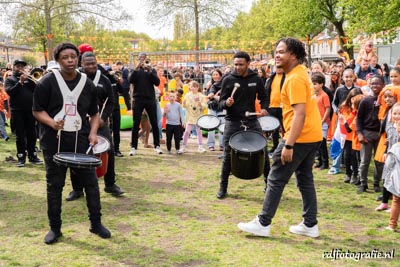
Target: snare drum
[101, 151]
[76, 160]
[208, 122]
[268, 123]
[247, 154]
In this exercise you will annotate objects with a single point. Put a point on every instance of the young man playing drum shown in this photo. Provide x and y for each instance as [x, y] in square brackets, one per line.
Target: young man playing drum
[296, 152]
[237, 102]
[60, 103]
[106, 103]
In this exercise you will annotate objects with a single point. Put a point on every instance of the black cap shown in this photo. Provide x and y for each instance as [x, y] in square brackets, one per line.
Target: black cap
[19, 61]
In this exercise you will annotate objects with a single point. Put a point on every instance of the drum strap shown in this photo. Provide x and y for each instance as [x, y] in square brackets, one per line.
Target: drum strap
[97, 78]
[73, 121]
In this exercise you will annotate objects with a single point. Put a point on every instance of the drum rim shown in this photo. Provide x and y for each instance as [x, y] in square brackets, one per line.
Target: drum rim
[59, 160]
[106, 141]
[270, 117]
[208, 128]
[248, 131]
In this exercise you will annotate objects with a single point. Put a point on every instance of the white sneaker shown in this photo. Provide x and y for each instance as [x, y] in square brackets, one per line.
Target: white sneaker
[180, 151]
[133, 152]
[169, 152]
[302, 229]
[158, 150]
[201, 149]
[254, 227]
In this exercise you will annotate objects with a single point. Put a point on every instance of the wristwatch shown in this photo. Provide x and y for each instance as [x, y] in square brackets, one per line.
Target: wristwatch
[288, 147]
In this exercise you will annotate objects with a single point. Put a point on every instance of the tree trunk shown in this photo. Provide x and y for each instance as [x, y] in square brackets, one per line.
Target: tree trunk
[196, 20]
[343, 39]
[49, 35]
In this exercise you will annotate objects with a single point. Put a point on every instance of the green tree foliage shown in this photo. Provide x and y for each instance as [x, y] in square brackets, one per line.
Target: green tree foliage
[373, 17]
[52, 10]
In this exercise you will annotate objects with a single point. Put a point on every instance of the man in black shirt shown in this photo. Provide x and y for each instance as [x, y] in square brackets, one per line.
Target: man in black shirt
[61, 102]
[236, 106]
[20, 89]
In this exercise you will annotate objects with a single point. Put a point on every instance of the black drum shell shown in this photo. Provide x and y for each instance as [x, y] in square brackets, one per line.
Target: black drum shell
[247, 154]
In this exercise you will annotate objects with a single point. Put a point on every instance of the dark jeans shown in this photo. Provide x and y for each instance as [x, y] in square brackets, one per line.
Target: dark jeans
[115, 125]
[301, 165]
[350, 159]
[151, 108]
[25, 131]
[55, 178]
[277, 113]
[366, 155]
[176, 132]
[232, 127]
[109, 177]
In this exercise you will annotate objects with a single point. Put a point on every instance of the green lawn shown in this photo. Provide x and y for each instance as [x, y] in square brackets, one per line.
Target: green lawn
[170, 216]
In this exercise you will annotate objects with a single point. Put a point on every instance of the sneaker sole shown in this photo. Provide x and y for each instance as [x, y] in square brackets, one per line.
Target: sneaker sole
[303, 233]
[244, 229]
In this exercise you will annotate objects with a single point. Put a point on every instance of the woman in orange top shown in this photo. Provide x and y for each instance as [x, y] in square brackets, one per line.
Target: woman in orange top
[346, 117]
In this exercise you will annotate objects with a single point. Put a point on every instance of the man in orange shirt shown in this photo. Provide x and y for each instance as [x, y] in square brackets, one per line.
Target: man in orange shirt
[296, 152]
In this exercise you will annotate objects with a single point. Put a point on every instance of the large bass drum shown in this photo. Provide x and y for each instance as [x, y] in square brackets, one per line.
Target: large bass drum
[247, 154]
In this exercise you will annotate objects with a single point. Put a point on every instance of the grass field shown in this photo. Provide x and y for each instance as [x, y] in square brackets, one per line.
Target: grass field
[170, 216]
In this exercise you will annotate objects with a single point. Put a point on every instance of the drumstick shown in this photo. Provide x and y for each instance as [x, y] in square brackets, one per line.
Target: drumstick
[104, 105]
[90, 148]
[236, 86]
[247, 114]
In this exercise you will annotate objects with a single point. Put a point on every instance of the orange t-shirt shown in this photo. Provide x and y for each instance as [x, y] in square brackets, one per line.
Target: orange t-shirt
[355, 143]
[298, 89]
[275, 98]
[323, 103]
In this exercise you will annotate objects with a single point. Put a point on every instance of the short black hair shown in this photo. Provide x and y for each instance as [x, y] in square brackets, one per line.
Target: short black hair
[242, 54]
[294, 46]
[318, 77]
[62, 46]
[87, 54]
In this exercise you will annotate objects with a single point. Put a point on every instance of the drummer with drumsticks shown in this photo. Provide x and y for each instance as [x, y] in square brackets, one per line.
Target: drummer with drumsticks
[239, 90]
[296, 152]
[106, 103]
[61, 101]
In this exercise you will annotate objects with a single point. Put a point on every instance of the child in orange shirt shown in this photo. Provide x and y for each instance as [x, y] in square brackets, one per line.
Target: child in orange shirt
[355, 143]
[346, 117]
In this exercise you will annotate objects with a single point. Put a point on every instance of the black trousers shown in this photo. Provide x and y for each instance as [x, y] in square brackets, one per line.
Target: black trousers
[151, 108]
[127, 98]
[109, 177]
[25, 131]
[115, 126]
[55, 178]
[174, 131]
[232, 127]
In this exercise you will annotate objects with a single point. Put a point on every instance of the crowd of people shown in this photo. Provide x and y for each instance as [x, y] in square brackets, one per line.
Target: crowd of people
[335, 116]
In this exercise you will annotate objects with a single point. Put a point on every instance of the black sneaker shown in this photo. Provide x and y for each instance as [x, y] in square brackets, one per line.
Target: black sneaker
[221, 194]
[361, 189]
[114, 190]
[377, 189]
[21, 163]
[74, 195]
[100, 230]
[35, 160]
[118, 154]
[52, 237]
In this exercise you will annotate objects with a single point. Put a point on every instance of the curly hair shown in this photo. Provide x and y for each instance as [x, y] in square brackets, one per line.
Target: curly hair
[294, 46]
[62, 46]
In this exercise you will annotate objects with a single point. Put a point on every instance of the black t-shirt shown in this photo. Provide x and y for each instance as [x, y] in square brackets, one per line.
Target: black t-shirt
[47, 97]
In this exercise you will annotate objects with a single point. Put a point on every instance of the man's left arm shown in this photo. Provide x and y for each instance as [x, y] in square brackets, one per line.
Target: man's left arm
[109, 107]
